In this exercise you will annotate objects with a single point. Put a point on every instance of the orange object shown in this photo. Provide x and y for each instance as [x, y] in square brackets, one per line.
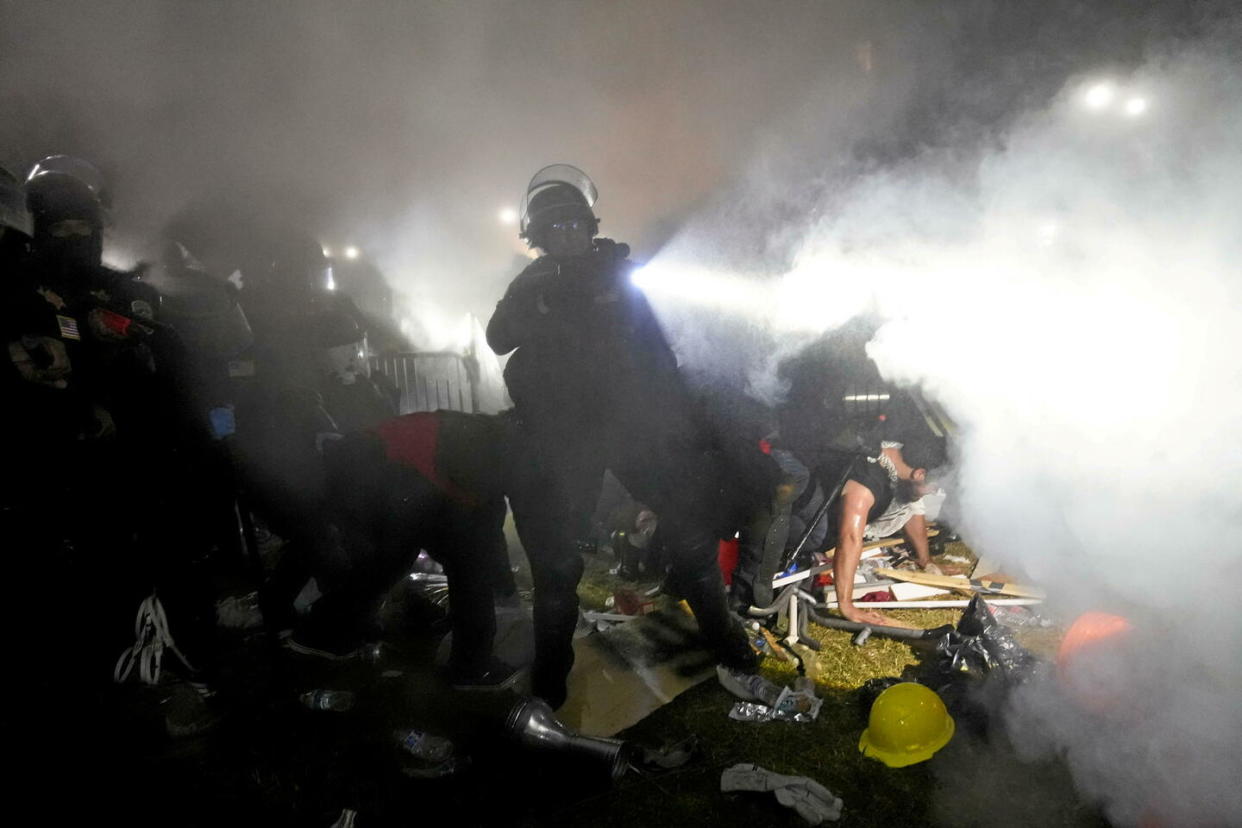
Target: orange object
[629, 602]
[1088, 629]
[1091, 662]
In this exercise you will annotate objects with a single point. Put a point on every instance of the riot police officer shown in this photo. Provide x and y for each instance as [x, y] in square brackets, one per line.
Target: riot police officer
[595, 385]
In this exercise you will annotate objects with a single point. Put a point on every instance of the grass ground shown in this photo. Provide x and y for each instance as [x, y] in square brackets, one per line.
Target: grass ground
[976, 780]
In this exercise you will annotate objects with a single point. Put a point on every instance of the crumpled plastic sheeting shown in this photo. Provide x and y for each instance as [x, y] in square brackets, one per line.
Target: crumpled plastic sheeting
[982, 645]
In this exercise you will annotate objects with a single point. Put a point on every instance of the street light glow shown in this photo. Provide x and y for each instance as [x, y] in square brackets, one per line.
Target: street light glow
[1099, 95]
[351, 252]
[1047, 233]
[1136, 106]
[327, 252]
[508, 215]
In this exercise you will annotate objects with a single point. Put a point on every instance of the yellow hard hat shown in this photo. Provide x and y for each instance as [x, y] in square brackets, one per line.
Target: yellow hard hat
[908, 724]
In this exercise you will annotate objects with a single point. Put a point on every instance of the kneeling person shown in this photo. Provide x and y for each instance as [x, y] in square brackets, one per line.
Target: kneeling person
[430, 481]
[875, 493]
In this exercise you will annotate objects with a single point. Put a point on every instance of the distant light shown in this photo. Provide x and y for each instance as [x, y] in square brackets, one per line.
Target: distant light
[1100, 95]
[1136, 107]
[331, 281]
[351, 252]
[508, 215]
[865, 397]
[327, 252]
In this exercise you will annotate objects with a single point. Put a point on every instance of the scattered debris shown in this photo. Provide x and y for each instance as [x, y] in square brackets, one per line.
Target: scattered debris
[239, 612]
[434, 756]
[338, 701]
[748, 686]
[670, 756]
[423, 745]
[622, 675]
[629, 602]
[774, 647]
[813, 802]
[981, 644]
[763, 701]
[532, 724]
[347, 819]
[955, 582]
[593, 617]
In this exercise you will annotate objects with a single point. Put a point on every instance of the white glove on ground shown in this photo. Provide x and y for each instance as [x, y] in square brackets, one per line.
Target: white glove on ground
[811, 800]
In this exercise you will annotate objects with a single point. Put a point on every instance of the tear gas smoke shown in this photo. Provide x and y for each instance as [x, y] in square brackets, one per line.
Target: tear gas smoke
[1071, 296]
[403, 126]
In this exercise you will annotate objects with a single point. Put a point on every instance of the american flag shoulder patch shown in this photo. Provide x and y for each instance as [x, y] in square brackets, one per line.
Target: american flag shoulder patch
[68, 327]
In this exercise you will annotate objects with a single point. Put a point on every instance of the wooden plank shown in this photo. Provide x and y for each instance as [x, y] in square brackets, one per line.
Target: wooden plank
[993, 587]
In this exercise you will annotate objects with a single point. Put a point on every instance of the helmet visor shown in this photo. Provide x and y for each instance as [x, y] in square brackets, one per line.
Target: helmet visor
[557, 175]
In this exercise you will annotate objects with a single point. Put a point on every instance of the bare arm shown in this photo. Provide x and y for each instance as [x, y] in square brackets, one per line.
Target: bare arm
[915, 532]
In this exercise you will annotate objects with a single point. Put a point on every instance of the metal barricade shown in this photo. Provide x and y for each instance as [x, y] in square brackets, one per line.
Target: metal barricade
[431, 380]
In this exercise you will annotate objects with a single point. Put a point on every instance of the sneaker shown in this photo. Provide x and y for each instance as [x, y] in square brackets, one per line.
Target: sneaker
[497, 676]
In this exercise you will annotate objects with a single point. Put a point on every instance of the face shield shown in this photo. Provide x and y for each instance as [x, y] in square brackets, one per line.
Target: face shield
[556, 189]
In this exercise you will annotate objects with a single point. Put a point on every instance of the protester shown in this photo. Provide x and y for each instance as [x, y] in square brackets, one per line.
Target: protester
[433, 481]
[282, 385]
[837, 407]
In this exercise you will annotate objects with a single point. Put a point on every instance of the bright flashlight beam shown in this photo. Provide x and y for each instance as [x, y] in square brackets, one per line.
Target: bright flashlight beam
[1099, 95]
[1136, 106]
[351, 252]
[722, 290]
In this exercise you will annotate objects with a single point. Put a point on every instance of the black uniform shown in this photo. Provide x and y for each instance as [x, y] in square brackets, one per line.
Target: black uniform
[596, 386]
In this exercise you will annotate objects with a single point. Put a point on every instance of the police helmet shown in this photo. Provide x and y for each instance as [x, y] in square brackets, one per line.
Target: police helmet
[556, 193]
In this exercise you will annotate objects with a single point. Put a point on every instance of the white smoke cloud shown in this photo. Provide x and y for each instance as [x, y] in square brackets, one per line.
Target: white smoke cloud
[1071, 295]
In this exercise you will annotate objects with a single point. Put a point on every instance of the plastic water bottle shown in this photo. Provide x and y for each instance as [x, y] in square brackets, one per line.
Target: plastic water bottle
[336, 700]
[758, 640]
[424, 746]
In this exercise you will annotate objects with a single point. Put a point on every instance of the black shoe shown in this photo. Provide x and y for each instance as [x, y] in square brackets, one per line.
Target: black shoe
[736, 653]
[497, 676]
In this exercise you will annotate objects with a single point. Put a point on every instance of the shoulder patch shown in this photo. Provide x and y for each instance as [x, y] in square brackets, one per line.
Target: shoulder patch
[68, 327]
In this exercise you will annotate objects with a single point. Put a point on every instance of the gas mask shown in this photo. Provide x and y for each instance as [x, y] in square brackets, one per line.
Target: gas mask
[70, 244]
[346, 363]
